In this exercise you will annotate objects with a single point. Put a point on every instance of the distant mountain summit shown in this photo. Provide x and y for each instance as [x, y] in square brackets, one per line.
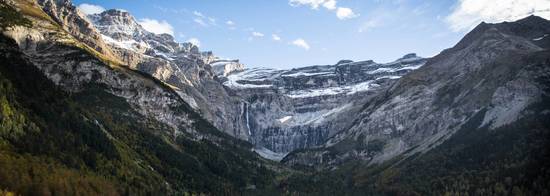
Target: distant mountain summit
[497, 71]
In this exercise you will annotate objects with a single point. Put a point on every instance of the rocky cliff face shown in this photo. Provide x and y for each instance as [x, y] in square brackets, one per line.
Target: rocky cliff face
[181, 65]
[56, 45]
[287, 110]
[497, 68]
[74, 22]
[223, 67]
[319, 94]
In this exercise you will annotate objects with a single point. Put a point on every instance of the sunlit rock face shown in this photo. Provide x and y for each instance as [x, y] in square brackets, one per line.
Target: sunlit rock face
[181, 65]
[185, 75]
[71, 53]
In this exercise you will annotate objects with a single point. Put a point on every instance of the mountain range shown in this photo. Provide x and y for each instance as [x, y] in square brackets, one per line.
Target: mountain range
[97, 105]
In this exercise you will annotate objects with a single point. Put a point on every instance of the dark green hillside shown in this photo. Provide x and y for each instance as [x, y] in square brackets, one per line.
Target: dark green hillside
[92, 142]
[511, 160]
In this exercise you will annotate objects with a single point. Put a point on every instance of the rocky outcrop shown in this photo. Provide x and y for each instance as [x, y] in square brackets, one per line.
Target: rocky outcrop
[74, 22]
[496, 70]
[226, 67]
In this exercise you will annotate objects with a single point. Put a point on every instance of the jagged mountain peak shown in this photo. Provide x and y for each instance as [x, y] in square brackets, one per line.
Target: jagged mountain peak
[72, 20]
[527, 27]
[344, 62]
[58, 3]
[121, 29]
[530, 28]
[118, 24]
[121, 16]
[533, 19]
[409, 56]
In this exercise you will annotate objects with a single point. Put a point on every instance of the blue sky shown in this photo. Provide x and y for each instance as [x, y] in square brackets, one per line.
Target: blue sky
[314, 32]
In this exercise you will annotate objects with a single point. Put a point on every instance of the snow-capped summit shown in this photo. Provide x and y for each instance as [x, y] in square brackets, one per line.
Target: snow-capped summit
[346, 77]
[120, 29]
[181, 65]
[117, 24]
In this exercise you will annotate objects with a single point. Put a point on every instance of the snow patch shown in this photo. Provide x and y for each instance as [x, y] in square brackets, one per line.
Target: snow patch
[163, 55]
[236, 85]
[392, 70]
[389, 77]
[297, 74]
[540, 38]
[268, 154]
[349, 90]
[126, 44]
[255, 74]
[284, 119]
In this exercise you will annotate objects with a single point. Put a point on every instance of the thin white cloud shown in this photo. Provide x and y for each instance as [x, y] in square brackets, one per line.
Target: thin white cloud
[204, 20]
[301, 43]
[314, 4]
[382, 18]
[421, 9]
[367, 26]
[257, 34]
[196, 13]
[344, 13]
[195, 41]
[200, 22]
[157, 27]
[89, 9]
[231, 25]
[275, 37]
[212, 20]
[330, 4]
[469, 13]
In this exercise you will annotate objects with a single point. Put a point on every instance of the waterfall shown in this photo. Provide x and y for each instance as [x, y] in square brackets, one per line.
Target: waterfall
[247, 121]
[244, 108]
